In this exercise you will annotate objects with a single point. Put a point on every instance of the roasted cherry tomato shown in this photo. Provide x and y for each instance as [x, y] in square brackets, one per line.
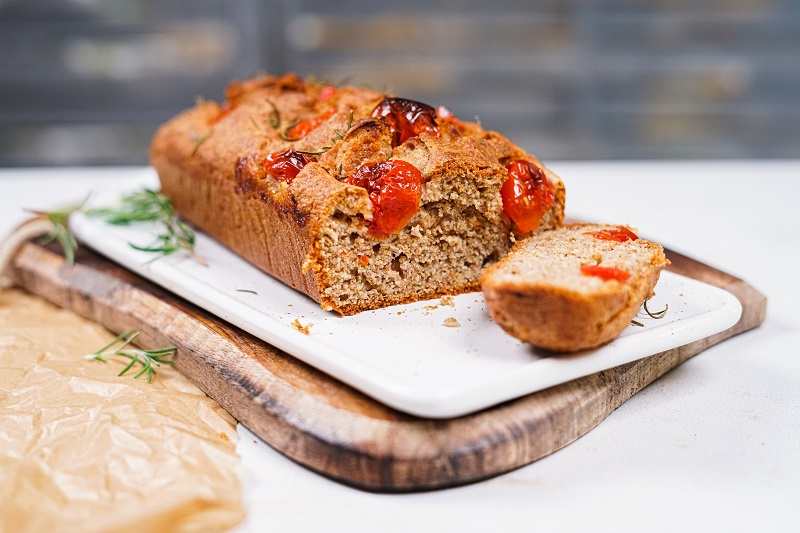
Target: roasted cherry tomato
[304, 127]
[445, 114]
[285, 165]
[394, 188]
[605, 273]
[407, 118]
[326, 93]
[224, 110]
[619, 234]
[527, 195]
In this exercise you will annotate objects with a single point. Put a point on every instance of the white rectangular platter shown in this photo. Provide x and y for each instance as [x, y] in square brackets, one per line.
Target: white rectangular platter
[404, 356]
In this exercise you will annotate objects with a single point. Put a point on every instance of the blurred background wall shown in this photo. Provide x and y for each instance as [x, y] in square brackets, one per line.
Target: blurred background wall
[88, 81]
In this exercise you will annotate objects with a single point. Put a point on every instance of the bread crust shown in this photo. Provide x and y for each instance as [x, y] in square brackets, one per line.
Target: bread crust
[312, 232]
[570, 313]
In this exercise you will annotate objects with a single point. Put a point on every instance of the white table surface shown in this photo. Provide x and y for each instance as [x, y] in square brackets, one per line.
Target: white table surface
[712, 446]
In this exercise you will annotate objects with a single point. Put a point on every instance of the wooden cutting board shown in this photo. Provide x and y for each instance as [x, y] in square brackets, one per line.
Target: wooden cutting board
[332, 428]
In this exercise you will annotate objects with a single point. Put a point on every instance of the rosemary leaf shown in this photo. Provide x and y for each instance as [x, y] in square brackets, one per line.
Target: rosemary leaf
[317, 153]
[140, 206]
[149, 359]
[657, 315]
[349, 121]
[275, 117]
[59, 231]
[349, 125]
[199, 141]
[148, 205]
[283, 135]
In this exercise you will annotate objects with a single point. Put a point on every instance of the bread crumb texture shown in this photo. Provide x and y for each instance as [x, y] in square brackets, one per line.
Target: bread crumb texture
[300, 327]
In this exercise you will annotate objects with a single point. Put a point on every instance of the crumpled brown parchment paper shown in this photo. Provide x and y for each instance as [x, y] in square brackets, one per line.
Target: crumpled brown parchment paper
[82, 449]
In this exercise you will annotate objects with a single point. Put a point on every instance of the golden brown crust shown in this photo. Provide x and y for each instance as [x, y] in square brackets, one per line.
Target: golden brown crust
[567, 311]
[312, 233]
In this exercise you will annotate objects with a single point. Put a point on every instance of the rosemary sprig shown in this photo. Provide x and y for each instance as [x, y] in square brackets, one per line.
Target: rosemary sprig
[349, 125]
[177, 236]
[59, 231]
[148, 205]
[284, 133]
[275, 117]
[147, 358]
[657, 315]
[139, 206]
[315, 154]
[199, 140]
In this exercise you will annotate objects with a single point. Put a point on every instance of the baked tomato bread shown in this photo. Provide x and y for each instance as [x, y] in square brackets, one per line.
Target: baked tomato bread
[572, 288]
[355, 197]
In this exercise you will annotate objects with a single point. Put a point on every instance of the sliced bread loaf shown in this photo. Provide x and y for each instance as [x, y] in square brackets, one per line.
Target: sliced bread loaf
[574, 287]
[357, 198]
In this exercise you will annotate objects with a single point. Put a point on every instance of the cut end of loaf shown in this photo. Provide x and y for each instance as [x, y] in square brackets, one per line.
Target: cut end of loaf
[442, 250]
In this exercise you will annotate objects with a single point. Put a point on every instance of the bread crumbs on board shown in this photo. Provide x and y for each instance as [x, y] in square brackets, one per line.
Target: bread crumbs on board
[451, 322]
[300, 327]
[448, 300]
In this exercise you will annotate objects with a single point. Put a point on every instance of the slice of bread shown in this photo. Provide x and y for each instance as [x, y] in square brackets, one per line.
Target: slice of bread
[574, 287]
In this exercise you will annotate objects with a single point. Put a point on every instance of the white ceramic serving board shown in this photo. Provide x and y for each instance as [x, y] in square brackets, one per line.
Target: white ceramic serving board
[404, 356]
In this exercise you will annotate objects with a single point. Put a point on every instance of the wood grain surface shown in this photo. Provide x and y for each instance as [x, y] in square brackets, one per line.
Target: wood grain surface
[330, 427]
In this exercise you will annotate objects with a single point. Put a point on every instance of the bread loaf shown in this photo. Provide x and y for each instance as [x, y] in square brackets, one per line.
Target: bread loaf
[572, 288]
[354, 197]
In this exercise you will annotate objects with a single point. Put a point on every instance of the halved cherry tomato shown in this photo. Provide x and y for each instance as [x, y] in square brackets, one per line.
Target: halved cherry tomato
[285, 165]
[395, 188]
[304, 127]
[407, 118]
[326, 93]
[527, 195]
[619, 234]
[605, 273]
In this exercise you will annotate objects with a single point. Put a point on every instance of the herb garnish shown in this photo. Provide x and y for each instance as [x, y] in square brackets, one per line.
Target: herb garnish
[657, 315]
[199, 140]
[349, 125]
[275, 117]
[284, 134]
[147, 358]
[145, 205]
[315, 154]
[148, 205]
[59, 231]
